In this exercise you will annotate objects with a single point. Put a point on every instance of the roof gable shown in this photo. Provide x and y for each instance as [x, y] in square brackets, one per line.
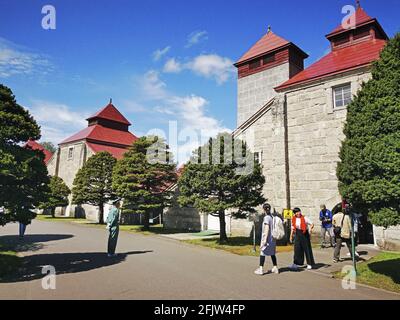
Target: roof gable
[360, 17]
[110, 112]
[269, 42]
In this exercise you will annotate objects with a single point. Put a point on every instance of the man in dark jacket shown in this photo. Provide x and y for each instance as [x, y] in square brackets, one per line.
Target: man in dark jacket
[325, 216]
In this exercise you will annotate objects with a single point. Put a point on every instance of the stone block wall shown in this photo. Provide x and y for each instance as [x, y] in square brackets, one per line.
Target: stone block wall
[315, 135]
[254, 91]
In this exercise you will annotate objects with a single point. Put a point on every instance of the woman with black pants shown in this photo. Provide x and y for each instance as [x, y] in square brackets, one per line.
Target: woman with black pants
[301, 228]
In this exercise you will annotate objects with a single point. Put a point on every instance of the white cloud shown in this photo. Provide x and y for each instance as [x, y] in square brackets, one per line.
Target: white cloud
[172, 66]
[16, 60]
[190, 112]
[213, 66]
[57, 121]
[159, 53]
[153, 87]
[196, 37]
[210, 66]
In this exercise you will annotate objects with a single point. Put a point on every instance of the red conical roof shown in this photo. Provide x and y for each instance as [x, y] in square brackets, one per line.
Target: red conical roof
[110, 112]
[360, 16]
[269, 42]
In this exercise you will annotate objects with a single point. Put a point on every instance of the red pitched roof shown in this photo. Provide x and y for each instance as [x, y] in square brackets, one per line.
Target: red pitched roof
[37, 146]
[118, 153]
[339, 61]
[110, 112]
[269, 42]
[361, 17]
[103, 134]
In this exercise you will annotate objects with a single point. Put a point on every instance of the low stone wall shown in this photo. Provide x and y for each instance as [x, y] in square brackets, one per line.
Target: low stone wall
[388, 239]
[177, 218]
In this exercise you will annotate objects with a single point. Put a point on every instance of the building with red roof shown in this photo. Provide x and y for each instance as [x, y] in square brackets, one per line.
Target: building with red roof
[293, 117]
[31, 144]
[107, 131]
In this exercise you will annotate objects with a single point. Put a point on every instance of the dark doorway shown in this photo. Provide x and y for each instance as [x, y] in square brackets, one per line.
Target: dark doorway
[365, 227]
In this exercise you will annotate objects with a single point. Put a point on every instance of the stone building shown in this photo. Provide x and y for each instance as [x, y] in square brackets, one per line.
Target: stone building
[292, 118]
[107, 130]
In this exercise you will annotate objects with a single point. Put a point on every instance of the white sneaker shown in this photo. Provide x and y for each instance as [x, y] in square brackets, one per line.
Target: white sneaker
[275, 270]
[294, 266]
[309, 267]
[259, 271]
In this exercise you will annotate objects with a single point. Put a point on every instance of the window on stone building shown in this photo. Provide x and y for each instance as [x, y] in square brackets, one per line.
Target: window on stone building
[342, 96]
[70, 153]
[269, 59]
[254, 65]
[258, 157]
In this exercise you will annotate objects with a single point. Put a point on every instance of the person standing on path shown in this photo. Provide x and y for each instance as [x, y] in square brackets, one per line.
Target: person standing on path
[342, 227]
[301, 229]
[113, 228]
[268, 243]
[325, 216]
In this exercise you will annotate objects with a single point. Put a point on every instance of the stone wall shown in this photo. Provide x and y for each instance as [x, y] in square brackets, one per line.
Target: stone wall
[315, 135]
[388, 239]
[178, 218]
[67, 170]
[256, 90]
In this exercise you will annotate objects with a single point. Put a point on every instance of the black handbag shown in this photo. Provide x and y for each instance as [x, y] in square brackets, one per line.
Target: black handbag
[338, 230]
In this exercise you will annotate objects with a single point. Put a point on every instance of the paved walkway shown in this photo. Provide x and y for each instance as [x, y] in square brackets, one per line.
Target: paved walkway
[155, 268]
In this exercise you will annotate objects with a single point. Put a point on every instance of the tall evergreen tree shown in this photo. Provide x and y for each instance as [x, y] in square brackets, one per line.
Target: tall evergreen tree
[57, 196]
[141, 178]
[222, 175]
[93, 182]
[369, 171]
[23, 174]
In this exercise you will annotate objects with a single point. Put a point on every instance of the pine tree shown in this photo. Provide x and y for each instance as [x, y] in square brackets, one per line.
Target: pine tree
[222, 175]
[58, 195]
[93, 182]
[23, 174]
[141, 178]
[369, 171]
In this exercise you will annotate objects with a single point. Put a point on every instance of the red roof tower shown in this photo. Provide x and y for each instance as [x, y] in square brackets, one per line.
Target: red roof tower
[354, 44]
[108, 130]
[270, 51]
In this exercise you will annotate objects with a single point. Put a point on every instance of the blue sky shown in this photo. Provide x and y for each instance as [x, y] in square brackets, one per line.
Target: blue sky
[158, 60]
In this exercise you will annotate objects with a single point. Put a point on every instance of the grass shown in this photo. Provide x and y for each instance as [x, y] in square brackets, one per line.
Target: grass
[242, 246]
[154, 229]
[9, 262]
[47, 218]
[381, 272]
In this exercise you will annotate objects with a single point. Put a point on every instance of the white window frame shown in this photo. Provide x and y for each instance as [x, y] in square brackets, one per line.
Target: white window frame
[260, 156]
[70, 154]
[341, 87]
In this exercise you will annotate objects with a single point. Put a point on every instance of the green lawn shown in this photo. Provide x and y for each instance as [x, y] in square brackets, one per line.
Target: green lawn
[382, 271]
[9, 262]
[242, 246]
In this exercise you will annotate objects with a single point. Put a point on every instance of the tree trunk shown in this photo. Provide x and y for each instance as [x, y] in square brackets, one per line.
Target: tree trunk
[146, 223]
[53, 212]
[101, 214]
[222, 228]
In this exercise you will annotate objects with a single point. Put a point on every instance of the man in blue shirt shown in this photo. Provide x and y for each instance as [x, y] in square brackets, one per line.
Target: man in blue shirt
[325, 216]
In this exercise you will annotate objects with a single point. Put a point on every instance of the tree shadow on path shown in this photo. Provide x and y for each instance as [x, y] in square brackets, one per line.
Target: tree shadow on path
[31, 242]
[64, 263]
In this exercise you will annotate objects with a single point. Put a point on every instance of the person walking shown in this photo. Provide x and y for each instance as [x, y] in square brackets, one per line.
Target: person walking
[301, 229]
[325, 216]
[342, 229]
[113, 228]
[268, 243]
